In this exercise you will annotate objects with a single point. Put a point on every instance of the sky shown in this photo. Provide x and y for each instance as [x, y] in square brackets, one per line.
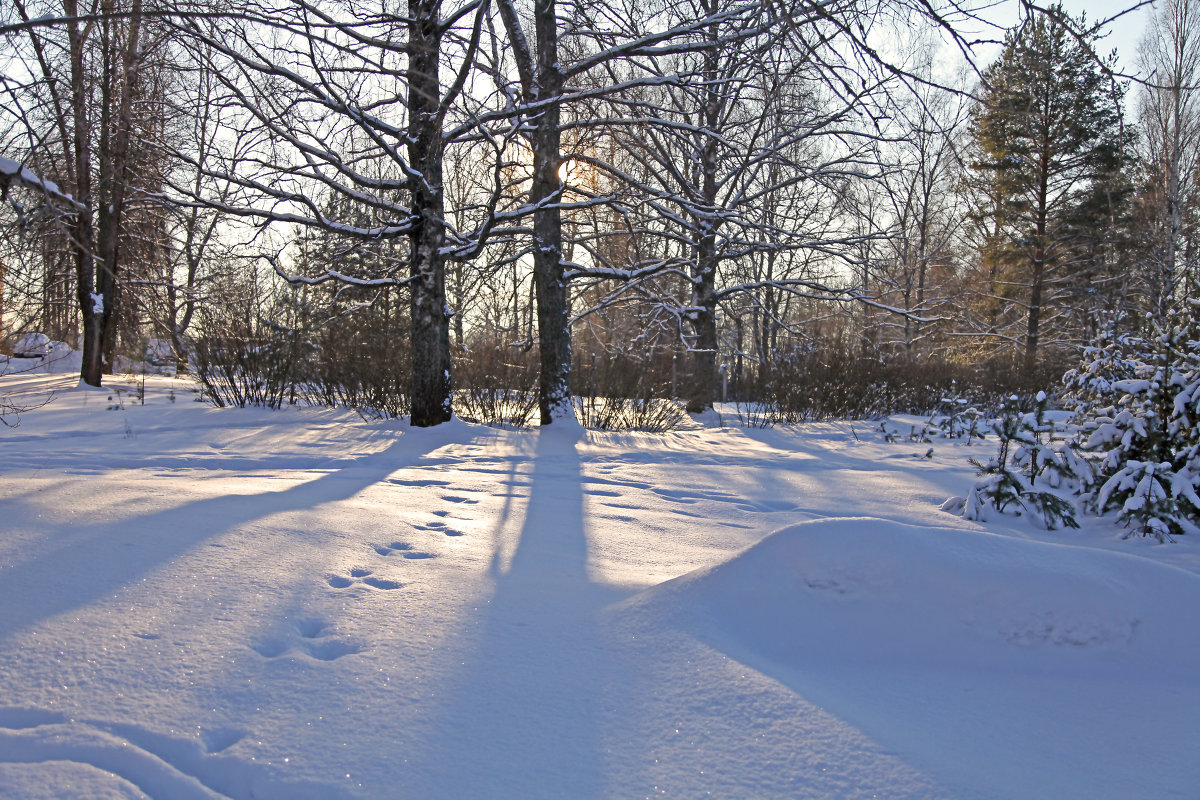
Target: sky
[1126, 33]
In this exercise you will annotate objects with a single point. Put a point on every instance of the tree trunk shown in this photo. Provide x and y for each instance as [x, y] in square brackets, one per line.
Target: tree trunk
[431, 388]
[542, 84]
[81, 233]
[554, 333]
[704, 277]
[1037, 277]
[704, 325]
[1032, 333]
[96, 245]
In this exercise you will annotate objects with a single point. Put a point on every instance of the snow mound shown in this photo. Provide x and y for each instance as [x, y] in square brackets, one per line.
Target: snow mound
[968, 654]
[54, 358]
[863, 592]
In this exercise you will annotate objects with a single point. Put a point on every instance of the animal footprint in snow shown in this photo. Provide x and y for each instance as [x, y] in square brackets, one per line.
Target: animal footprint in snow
[311, 628]
[394, 547]
[436, 525]
[454, 498]
[382, 583]
[418, 483]
[332, 649]
[312, 637]
[401, 549]
[363, 576]
[270, 648]
[217, 739]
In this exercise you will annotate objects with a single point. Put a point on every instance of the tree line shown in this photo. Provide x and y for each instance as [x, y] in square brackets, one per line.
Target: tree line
[686, 197]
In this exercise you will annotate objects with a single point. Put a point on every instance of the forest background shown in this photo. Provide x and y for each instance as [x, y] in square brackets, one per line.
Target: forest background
[489, 208]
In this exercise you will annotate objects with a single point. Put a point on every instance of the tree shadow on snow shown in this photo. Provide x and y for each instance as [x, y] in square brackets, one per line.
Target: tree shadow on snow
[524, 714]
[94, 561]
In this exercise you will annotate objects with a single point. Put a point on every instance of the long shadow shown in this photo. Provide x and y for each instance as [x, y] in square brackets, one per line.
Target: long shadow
[525, 712]
[94, 561]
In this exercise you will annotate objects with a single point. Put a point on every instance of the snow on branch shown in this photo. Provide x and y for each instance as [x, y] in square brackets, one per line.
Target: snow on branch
[15, 173]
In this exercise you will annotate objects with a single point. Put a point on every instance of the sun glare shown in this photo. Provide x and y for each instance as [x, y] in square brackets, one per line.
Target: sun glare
[566, 169]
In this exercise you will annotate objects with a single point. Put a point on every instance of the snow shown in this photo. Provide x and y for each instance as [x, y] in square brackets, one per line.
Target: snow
[975, 655]
[56, 358]
[208, 603]
[10, 169]
[32, 345]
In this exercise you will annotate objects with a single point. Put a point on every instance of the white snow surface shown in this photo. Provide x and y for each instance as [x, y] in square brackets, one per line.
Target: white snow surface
[207, 603]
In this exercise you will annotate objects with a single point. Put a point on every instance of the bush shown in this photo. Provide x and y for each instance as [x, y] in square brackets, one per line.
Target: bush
[361, 362]
[626, 391]
[653, 414]
[251, 364]
[817, 384]
[497, 385]
[307, 353]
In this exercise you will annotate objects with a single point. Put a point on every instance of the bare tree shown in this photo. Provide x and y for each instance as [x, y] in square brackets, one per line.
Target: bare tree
[1169, 112]
[78, 116]
[919, 212]
[745, 163]
[322, 91]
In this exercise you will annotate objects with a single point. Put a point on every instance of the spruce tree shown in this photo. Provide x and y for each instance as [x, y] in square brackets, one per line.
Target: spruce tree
[1144, 432]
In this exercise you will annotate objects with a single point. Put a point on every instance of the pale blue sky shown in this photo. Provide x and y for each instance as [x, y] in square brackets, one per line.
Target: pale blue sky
[1125, 34]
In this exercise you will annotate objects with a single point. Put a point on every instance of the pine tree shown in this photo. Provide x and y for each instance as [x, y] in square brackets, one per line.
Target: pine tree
[1048, 140]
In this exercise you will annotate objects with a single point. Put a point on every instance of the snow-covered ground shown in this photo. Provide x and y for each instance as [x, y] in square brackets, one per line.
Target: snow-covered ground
[200, 603]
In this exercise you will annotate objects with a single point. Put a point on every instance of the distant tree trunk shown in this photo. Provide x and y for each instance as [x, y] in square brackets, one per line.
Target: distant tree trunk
[704, 277]
[923, 232]
[1032, 331]
[82, 237]
[95, 226]
[1170, 116]
[459, 283]
[1037, 273]
[116, 173]
[542, 84]
[431, 397]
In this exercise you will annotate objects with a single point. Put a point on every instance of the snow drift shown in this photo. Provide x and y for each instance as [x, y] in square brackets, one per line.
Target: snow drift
[971, 654]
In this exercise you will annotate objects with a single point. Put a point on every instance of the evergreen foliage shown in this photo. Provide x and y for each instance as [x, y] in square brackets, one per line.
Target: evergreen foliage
[1025, 470]
[958, 418]
[1139, 402]
[1049, 145]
